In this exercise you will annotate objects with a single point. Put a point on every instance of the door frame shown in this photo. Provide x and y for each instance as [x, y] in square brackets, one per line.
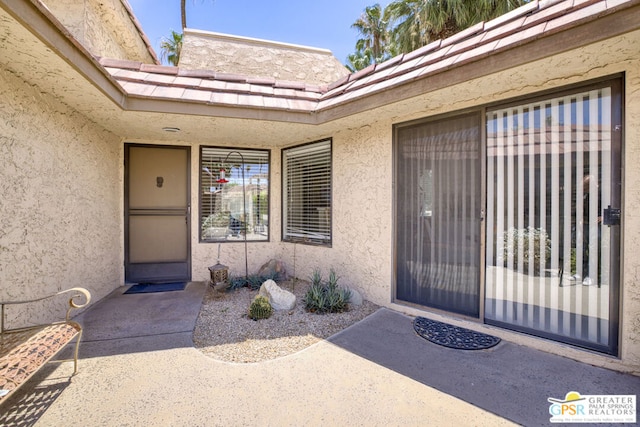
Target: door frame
[479, 112]
[617, 83]
[162, 271]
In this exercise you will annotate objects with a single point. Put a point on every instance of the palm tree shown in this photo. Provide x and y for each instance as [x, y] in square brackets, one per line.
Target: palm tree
[373, 28]
[359, 60]
[419, 22]
[183, 13]
[171, 48]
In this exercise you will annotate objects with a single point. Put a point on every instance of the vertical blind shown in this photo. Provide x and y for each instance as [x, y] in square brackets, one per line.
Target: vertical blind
[547, 253]
[438, 210]
[307, 192]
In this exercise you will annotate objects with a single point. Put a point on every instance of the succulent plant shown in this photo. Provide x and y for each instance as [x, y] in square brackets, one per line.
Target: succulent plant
[260, 308]
[326, 297]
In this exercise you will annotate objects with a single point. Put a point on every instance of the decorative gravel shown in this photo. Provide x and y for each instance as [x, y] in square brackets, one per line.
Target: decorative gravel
[225, 332]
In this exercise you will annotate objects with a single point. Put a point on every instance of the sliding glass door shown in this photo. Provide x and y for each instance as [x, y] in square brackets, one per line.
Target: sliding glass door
[553, 199]
[551, 207]
[438, 205]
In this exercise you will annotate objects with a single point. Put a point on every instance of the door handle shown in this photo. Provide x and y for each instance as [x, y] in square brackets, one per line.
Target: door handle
[611, 216]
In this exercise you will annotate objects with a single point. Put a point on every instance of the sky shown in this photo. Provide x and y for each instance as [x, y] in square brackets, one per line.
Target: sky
[317, 23]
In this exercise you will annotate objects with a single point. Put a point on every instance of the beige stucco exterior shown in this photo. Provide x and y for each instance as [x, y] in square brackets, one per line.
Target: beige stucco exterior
[223, 53]
[61, 209]
[362, 247]
[61, 217]
[104, 28]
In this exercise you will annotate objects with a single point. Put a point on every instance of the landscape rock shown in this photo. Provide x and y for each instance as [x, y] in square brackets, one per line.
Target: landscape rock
[356, 297]
[280, 299]
[274, 269]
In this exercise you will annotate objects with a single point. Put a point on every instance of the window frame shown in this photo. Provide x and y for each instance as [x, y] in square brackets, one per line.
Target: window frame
[230, 153]
[327, 242]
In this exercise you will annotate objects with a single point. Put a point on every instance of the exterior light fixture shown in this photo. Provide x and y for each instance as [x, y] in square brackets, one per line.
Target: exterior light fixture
[171, 129]
[219, 274]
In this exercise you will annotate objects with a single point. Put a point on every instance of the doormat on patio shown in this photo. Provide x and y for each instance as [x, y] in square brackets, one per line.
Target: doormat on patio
[453, 336]
[146, 288]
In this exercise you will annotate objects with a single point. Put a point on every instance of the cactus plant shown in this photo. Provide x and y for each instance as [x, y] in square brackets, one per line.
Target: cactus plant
[260, 308]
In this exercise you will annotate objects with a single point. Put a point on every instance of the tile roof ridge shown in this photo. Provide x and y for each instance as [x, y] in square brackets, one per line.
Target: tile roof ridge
[125, 64]
[209, 75]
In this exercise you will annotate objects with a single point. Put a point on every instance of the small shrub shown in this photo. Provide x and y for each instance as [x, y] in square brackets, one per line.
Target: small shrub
[237, 283]
[326, 297]
[260, 308]
[253, 282]
[516, 245]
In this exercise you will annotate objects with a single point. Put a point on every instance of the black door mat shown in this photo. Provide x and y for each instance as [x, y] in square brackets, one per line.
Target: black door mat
[146, 288]
[453, 336]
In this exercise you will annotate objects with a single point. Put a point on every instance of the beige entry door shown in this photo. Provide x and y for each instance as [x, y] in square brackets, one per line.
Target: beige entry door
[157, 214]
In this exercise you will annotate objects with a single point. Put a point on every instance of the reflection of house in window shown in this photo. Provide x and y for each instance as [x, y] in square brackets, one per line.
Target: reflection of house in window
[550, 169]
[222, 207]
[307, 192]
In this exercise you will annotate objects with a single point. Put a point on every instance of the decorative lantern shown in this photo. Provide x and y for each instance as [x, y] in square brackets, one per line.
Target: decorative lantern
[219, 273]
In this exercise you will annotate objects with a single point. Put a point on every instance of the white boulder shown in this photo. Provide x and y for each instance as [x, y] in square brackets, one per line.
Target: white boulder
[356, 297]
[280, 299]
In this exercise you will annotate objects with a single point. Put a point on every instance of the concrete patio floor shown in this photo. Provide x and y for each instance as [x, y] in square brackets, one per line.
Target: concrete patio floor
[139, 368]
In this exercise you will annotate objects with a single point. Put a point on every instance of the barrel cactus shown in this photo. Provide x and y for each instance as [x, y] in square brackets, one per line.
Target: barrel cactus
[260, 308]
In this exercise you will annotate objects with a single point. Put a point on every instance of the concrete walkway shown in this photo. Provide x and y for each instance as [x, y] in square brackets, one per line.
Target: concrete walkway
[139, 368]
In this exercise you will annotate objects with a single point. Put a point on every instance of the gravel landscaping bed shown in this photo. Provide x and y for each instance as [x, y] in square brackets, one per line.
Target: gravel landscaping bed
[225, 332]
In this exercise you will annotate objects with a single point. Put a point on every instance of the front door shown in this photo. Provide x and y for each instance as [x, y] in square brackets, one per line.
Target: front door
[157, 214]
[438, 206]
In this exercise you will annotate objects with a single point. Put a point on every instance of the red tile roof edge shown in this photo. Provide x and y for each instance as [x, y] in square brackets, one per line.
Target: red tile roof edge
[531, 15]
[450, 53]
[207, 75]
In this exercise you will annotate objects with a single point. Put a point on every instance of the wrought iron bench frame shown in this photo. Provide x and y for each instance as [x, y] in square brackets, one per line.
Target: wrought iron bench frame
[23, 351]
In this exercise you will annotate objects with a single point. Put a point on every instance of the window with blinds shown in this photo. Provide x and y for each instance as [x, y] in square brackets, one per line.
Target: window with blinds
[307, 193]
[239, 207]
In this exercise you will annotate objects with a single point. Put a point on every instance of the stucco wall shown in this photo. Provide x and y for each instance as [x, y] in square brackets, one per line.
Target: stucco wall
[61, 201]
[222, 53]
[362, 250]
[366, 181]
[103, 27]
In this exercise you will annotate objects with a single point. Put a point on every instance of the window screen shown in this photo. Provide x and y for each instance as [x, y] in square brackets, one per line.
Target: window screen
[240, 206]
[307, 193]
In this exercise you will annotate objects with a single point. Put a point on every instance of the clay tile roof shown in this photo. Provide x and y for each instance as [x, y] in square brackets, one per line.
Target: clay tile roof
[120, 63]
[159, 69]
[536, 19]
[205, 74]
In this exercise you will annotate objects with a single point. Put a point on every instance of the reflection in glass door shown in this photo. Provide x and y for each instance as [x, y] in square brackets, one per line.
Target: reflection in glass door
[552, 237]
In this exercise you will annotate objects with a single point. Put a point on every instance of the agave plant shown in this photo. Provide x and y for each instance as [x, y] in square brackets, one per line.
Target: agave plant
[326, 297]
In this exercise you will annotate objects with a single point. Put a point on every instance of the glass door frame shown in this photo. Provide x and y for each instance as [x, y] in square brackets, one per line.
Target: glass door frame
[616, 82]
[477, 115]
